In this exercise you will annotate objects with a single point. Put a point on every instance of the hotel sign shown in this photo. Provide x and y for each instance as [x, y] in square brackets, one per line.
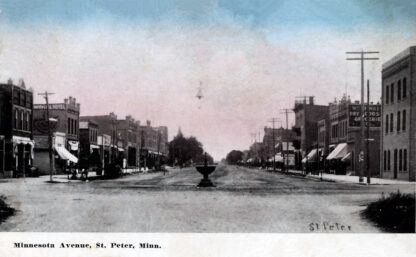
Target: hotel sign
[372, 116]
[51, 107]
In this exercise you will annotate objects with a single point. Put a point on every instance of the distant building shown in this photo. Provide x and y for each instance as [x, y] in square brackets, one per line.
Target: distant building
[282, 140]
[64, 119]
[153, 143]
[127, 132]
[16, 130]
[307, 115]
[90, 156]
[398, 147]
[111, 145]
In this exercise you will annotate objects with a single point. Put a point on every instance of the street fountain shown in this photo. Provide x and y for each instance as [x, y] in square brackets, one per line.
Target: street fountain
[205, 170]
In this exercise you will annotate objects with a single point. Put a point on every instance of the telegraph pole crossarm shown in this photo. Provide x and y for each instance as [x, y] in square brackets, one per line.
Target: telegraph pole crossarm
[51, 166]
[362, 58]
[285, 158]
[273, 121]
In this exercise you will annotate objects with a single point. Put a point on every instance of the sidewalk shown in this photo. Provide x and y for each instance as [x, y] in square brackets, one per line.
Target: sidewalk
[352, 179]
[63, 178]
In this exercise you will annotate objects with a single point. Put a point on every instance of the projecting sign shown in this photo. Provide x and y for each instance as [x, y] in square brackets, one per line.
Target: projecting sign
[51, 106]
[373, 116]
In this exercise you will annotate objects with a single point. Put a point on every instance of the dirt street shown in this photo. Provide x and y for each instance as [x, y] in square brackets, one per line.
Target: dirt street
[245, 200]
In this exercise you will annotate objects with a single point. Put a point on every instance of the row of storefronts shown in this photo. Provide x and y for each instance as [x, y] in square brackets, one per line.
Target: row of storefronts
[78, 143]
[330, 138]
[16, 138]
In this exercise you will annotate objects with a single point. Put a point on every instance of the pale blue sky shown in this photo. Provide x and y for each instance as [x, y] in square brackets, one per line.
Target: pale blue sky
[331, 13]
[147, 58]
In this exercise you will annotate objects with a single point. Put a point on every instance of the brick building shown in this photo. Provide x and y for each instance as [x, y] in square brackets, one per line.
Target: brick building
[307, 115]
[398, 147]
[16, 130]
[282, 142]
[345, 137]
[153, 143]
[90, 156]
[127, 130]
[110, 144]
[64, 119]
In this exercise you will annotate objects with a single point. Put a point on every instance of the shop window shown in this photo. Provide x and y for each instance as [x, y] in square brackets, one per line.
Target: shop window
[395, 161]
[29, 121]
[391, 122]
[16, 119]
[399, 90]
[388, 160]
[24, 121]
[405, 159]
[404, 89]
[392, 93]
[21, 120]
[404, 120]
[400, 159]
[398, 121]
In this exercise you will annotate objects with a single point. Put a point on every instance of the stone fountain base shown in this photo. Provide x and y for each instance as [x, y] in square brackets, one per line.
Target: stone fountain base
[205, 171]
[206, 183]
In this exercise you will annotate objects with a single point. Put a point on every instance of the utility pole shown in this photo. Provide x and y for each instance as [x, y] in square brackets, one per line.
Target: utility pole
[254, 136]
[285, 158]
[159, 136]
[50, 148]
[367, 161]
[362, 58]
[273, 121]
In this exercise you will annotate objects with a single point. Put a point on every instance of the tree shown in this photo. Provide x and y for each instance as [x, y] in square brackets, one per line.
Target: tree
[234, 157]
[184, 150]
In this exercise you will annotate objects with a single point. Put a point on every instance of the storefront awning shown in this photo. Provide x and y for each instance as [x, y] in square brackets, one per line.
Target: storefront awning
[23, 140]
[312, 156]
[94, 147]
[347, 157]
[65, 154]
[339, 152]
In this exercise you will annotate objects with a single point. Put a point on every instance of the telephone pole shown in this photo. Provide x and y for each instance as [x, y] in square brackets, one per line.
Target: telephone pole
[254, 136]
[362, 58]
[51, 166]
[367, 159]
[285, 158]
[273, 121]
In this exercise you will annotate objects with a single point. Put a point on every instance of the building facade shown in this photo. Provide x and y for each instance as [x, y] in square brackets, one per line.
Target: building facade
[16, 130]
[90, 156]
[127, 134]
[398, 147]
[154, 148]
[307, 115]
[64, 122]
[346, 145]
[110, 143]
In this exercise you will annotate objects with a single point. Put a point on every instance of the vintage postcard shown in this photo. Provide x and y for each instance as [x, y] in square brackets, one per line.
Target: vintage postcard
[207, 127]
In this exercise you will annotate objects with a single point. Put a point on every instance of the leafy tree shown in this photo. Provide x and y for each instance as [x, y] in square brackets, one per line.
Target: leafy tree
[183, 150]
[234, 156]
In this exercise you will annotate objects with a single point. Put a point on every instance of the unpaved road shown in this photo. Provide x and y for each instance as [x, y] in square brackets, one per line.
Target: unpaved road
[245, 200]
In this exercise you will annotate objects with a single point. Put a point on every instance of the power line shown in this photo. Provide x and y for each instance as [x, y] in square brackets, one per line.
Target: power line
[362, 58]
[285, 158]
[273, 121]
[51, 159]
